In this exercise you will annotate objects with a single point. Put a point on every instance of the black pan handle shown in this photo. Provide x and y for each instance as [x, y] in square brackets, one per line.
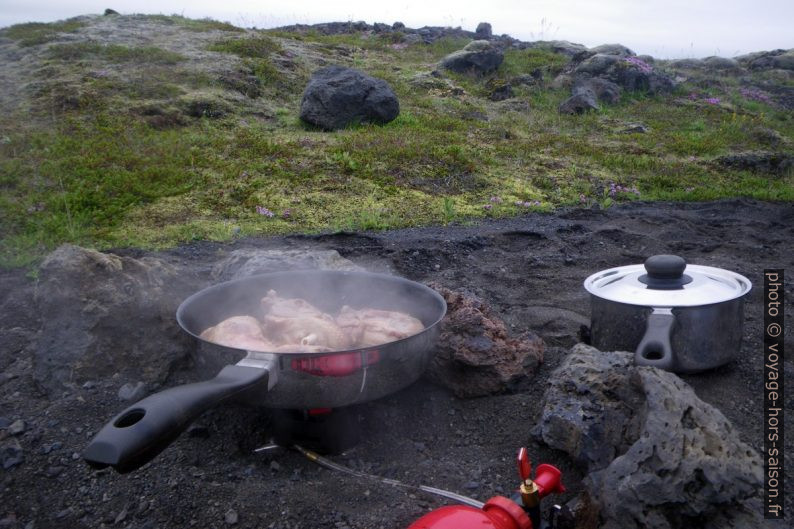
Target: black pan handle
[136, 435]
[655, 349]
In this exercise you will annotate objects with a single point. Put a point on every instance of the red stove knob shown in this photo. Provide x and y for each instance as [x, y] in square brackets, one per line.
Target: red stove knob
[548, 478]
[524, 465]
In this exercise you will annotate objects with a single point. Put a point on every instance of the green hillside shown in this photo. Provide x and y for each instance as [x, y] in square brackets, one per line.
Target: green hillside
[149, 131]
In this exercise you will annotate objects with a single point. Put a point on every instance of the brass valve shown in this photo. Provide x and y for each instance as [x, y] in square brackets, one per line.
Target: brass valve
[547, 480]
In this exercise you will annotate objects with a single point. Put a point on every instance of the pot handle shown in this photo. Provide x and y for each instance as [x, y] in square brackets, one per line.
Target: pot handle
[136, 435]
[654, 349]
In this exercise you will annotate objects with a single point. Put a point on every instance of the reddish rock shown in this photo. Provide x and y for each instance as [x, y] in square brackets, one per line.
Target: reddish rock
[475, 355]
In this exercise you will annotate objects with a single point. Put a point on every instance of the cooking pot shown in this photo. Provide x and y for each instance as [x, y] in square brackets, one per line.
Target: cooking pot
[678, 317]
[277, 380]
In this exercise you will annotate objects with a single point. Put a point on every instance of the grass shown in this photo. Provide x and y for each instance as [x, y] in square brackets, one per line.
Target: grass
[253, 47]
[35, 33]
[98, 171]
[114, 53]
[256, 52]
[198, 25]
[518, 62]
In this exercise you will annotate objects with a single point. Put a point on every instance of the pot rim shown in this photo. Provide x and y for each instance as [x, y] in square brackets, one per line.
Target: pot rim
[709, 286]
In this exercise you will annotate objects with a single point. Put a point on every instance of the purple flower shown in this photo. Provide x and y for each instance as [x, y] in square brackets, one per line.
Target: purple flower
[487, 206]
[582, 198]
[639, 63]
[614, 189]
[496, 200]
[287, 213]
[755, 94]
[712, 100]
[692, 96]
[264, 211]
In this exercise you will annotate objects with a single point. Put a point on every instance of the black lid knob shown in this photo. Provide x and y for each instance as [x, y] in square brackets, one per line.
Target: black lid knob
[665, 272]
[665, 266]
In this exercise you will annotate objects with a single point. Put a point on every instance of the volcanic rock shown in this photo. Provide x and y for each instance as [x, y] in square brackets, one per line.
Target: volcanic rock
[478, 57]
[571, 49]
[613, 49]
[337, 97]
[601, 89]
[11, 453]
[760, 162]
[103, 314]
[658, 456]
[475, 356]
[483, 31]
[688, 63]
[578, 104]
[434, 81]
[596, 65]
[720, 63]
[630, 73]
[132, 391]
[500, 93]
[248, 262]
[767, 60]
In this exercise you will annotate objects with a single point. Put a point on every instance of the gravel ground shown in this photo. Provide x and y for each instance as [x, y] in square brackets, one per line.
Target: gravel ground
[530, 269]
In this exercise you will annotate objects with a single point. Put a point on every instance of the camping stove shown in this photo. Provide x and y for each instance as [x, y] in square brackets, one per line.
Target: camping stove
[520, 512]
[323, 430]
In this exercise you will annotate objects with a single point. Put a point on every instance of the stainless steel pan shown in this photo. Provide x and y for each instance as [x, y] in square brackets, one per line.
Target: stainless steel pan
[277, 380]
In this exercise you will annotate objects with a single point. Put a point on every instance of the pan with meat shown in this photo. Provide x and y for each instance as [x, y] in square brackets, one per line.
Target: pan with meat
[292, 340]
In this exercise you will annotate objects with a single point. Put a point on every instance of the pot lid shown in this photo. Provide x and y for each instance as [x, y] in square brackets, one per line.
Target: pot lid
[667, 281]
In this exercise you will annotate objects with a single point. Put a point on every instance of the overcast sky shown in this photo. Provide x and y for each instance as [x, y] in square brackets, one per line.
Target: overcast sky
[664, 29]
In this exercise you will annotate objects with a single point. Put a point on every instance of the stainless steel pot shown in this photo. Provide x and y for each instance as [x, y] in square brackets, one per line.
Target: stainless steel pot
[674, 316]
[277, 380]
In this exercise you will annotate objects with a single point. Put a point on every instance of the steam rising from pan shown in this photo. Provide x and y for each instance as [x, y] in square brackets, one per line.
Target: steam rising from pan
[329, 291]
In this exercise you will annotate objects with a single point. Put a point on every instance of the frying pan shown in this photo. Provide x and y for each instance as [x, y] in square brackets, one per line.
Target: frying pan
[276, 380]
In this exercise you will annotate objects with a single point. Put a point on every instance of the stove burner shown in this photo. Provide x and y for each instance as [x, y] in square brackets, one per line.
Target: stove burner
[324, 430]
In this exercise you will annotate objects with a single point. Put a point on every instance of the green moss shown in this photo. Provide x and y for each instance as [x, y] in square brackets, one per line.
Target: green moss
[253, 47]
[35, 33]
[114, 53]
[198, 25]
[518, 62]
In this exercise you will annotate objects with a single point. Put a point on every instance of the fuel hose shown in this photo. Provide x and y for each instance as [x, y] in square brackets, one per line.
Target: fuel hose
[327, 463]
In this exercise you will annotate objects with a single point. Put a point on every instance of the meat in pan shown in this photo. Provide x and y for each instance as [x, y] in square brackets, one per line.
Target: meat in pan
[240, 332]
[369, 327]
[293, 325]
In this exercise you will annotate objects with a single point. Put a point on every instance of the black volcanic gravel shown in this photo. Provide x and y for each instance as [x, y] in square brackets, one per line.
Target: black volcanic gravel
[211, 477]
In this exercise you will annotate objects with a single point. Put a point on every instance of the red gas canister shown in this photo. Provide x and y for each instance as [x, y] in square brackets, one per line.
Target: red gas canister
[500, 512]
[497, 513]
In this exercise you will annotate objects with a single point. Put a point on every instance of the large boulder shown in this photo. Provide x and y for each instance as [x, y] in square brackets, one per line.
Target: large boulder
[475, 355]
[478, 57]
[720, 63]
[629, 72]
[597, 65]
[571, 49]
[483, 31]
[613, 49]
[658, 456]
[103, 314]
[601, 89]
[337, 97]
[767, 60]
[687, 63]
[249, 261]
[578, 104]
